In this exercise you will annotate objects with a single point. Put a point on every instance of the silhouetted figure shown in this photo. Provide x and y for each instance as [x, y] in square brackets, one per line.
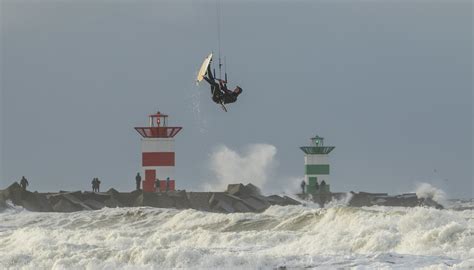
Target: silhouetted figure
[167, 184]
[303, 185]
[323, 186]
[24, 183]
[94, 184]
[138, 179]
[98, 184]
[316, 185]
[157, 185]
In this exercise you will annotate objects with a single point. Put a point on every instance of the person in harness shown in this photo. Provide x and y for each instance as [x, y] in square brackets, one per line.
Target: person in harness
[220, 93]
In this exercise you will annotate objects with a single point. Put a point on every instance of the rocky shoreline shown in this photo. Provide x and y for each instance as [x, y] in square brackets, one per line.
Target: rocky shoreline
[238, 198]
[362, 199]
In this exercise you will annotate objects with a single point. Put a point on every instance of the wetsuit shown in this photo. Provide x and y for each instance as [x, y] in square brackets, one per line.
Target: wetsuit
[215, 87]
[219, 91]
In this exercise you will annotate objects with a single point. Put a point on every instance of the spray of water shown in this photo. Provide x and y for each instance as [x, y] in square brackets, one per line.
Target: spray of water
[253, 165]
[256, 164]
[427, 191]
[195, 97]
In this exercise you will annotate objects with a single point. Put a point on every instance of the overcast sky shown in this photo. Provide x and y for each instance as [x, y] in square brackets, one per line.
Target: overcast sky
[389, 83]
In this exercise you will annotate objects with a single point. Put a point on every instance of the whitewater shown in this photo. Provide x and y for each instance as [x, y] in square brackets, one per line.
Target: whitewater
[291, 237]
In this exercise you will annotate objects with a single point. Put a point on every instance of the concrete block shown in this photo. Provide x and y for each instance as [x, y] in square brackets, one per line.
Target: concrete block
[65, 206]
[256, 203]
[94, 205]
[180, 199]
[199, 200]
[112, 203]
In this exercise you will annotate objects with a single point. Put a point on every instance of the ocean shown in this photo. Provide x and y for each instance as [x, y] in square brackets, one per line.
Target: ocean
[291, 237]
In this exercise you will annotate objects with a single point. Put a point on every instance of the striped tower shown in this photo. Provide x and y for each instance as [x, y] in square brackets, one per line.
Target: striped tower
[158, 156]
[316, 162]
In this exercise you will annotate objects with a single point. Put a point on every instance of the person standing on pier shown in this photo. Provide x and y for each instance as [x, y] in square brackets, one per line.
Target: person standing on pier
[97, 184]
[303, 185]
[138, 179]
[94, 184]
[157, 185]
[24, 183]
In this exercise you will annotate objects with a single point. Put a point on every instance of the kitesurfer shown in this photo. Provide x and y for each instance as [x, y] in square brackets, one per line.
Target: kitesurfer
[220, 93]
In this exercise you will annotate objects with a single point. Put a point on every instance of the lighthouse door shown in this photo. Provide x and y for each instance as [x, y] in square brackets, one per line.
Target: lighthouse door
[149, 183]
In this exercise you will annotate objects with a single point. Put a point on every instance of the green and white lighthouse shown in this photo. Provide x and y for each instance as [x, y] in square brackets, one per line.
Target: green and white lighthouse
[316, 161]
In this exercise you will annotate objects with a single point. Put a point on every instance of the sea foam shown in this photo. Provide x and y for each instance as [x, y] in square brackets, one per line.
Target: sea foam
[293, 236]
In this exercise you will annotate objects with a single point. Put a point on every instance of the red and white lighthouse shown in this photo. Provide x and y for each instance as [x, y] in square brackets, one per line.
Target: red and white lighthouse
[158, 156]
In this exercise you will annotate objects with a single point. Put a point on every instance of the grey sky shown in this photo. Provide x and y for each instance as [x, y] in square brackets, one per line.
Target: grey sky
[389, 83]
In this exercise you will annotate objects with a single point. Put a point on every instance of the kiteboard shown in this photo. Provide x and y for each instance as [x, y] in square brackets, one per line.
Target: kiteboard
[203, 70]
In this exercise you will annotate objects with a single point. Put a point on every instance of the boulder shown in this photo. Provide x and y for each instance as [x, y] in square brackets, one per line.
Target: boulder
[404, 200]
[76, 194]
[158, 200]
[139, 201]
[276, 200]
[14, 193]
[94, 205]
[428, 202]
[241, 207]
[180, 199]
[383, 199]
[146, 199]
[227, 203]
[242, 191]
[221, 202]
[113, 203]
[283, 201]
[128, 199]
[3, 203]
[257, 203]
[359, 200]
[251, 189]
[98, 197]
[73, 198]
[164, 200]
[29, 200]
[290, 201]
[199, 200]
[112, 192]
[235, 189]
[36, 202]
[65, 206]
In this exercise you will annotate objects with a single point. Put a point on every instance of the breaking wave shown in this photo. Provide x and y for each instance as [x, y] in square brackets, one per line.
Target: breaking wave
[427, 191]
[292, 237]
